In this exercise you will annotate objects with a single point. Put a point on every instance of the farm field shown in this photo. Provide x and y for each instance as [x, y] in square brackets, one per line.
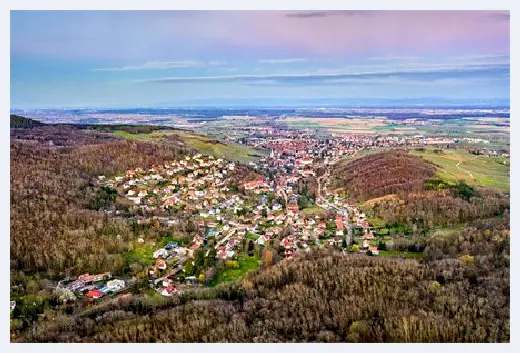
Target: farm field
[339, 125]
[458, 164]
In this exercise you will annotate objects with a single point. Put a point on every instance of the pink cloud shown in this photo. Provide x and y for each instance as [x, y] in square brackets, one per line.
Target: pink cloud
[335, 33]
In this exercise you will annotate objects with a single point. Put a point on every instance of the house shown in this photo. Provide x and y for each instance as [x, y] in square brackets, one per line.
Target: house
[230, 254]
[95, 294]
[171, 245]
[369, 235]
[160, 264]
[339, 223]
[160, 253]
[169, 291]
[255, 184]
[94, 278]
[292, 208]
[286, 243]
[222, 252]
[78, 284]
[262, 239]
[116, 284]
[289, 253]
[373, 250]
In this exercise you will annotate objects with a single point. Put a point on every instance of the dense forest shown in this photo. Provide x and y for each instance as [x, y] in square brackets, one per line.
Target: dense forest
[57, 227]
[53, 229]
[393, 172]
[459, 293]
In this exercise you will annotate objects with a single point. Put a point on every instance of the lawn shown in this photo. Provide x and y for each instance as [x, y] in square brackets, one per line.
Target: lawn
[407, 255]
[246, 263]
[313, 211]
[458, 164]
[141, 253]
[252, 236]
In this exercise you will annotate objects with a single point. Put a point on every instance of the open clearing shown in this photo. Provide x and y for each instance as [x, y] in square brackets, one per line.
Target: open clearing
[246, 264]
[458, 164]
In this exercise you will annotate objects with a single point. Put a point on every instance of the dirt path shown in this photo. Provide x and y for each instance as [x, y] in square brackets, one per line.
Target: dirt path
[464, 170]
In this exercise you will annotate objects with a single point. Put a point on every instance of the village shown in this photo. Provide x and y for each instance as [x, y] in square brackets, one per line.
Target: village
[230, 214]
[239, 209]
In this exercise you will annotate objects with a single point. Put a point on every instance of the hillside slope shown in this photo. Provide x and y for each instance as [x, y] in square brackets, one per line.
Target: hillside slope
[403, 189]
[376, 175]
[18, 121]
[453, 297]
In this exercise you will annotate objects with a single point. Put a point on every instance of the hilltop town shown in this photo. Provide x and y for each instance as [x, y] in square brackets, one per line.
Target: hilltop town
[205, 189]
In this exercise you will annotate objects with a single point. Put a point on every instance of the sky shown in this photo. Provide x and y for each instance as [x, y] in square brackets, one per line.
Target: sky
[96, 59]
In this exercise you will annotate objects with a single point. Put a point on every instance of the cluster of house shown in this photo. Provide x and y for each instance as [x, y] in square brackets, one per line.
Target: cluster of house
[168, 263]
[200, 185]
[195, 183]
[92, 286]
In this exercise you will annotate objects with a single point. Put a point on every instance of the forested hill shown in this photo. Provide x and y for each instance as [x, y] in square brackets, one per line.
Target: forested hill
[18, 121]
[376, 175]
[401, 189]
[324, 297]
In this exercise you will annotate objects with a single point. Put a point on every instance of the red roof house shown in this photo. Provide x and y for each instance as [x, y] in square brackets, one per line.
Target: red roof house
[94, 294]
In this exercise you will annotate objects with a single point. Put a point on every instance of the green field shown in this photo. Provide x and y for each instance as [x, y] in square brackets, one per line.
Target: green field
[406, 255]
[228, 151]
[141, 253]
[140, 137]
[247, 264]
[313, 211]
[458, 164]
[202, 144]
